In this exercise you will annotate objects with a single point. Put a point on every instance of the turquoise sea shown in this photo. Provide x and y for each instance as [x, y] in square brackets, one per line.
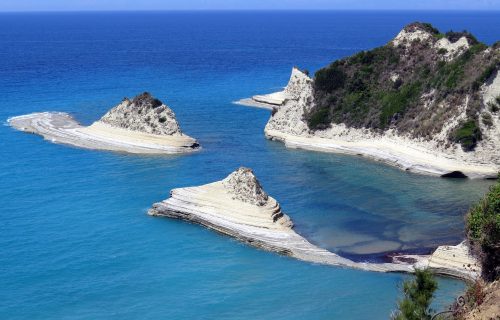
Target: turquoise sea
[75, 240]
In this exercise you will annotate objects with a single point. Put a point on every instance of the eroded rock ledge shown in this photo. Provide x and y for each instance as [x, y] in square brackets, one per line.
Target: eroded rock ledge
[141, 125]
[239, 207]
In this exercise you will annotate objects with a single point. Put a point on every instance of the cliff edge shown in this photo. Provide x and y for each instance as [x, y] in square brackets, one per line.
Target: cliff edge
[425, 102]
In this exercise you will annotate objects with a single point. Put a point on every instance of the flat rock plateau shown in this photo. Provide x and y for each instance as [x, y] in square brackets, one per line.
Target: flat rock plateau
[142, 125]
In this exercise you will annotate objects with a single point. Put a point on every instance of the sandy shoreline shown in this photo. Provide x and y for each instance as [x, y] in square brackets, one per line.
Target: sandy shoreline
[60, 127]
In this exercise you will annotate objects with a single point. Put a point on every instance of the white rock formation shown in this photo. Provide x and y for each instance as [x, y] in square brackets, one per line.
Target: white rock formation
[436, 156]
[276, 99]
[406, 37]
[454, 261]
[238, 206]
[142, 125]
[453, 49]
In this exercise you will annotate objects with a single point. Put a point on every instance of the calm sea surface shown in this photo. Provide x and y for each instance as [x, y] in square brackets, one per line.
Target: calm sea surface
[75, 240]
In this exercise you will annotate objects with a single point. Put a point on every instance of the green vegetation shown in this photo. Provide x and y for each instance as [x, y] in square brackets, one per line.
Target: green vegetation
[412, 89]
[330, 78]
[468, 134]
[418, 294]
[395, 102]
[320, 117]
[483, 231]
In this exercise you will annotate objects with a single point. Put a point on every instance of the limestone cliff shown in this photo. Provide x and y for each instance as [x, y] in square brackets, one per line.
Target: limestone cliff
[422, 95]
[145, 114]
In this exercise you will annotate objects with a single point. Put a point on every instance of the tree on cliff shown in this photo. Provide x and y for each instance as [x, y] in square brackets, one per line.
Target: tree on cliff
[418, 293]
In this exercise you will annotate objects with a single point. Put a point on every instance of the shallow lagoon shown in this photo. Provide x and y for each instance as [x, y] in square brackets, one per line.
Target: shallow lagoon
[76, 242]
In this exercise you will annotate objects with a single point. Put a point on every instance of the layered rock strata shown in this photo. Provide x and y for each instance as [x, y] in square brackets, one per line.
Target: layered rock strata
[141, 125]
[454, 261]
[238, 207]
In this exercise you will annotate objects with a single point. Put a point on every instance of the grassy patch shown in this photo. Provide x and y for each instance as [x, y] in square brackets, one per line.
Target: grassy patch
[468, 134]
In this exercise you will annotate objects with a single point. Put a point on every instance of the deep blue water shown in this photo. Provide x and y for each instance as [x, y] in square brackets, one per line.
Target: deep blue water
[75, 239]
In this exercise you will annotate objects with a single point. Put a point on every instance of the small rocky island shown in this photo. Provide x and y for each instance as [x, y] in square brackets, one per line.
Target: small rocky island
[140, 125]
[425, 102]
[239, 207]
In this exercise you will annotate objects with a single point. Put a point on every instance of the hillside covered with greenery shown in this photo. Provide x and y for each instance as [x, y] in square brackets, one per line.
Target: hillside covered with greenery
[413, 88]
[483, 231]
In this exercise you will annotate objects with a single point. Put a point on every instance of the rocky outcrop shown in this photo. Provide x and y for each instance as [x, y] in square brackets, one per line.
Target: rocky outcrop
[454, 261]
[141, 125]
[292, 91]
[420, 142]
[143, 114]
[238, 207]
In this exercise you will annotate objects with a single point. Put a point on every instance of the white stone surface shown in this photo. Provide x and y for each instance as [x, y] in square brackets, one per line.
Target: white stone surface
[122, 129]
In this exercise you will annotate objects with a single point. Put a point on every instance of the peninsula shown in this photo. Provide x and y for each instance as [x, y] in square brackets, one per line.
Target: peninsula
[239, 207]
[140, 125]
[425, 102]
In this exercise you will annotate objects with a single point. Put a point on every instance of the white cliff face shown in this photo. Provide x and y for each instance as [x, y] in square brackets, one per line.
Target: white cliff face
[289, 117]
[435, 156]
[490, 144]
[298, 80]
[405, 37]
[453, 49]
[295, 87]
[144, 114]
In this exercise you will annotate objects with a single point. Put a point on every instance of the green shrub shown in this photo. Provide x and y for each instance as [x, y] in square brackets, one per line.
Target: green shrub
[468, 134]
[483, 231]
[318, 118]
[394, 102]
[330, 78]
[418, 294]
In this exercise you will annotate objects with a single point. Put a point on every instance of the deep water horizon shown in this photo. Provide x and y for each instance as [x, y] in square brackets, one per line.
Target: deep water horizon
[76, 241]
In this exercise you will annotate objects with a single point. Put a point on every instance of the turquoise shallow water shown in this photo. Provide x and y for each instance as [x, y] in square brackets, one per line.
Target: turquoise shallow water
[76, 241]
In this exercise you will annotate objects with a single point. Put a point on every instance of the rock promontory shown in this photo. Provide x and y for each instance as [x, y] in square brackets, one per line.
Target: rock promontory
[239, 207]
[139, 125]
[426, 102]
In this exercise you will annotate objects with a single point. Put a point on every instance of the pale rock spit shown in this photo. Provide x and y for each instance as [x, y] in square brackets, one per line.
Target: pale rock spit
[141, 125]
[239, 207]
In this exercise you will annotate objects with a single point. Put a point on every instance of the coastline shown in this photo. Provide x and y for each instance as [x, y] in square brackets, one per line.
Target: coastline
[436, 157]
[265, 226]
[395, 151]
[60, 127]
